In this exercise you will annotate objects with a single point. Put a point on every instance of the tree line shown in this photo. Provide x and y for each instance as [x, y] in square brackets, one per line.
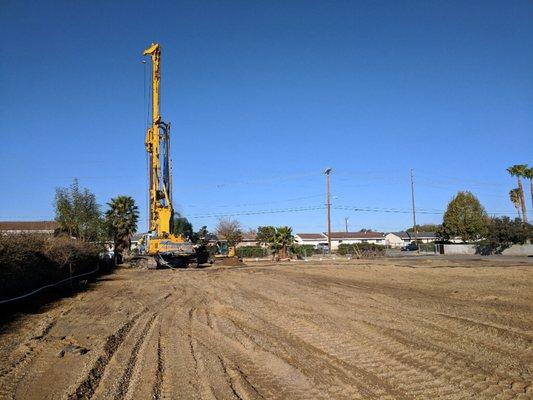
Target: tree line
[80, 216]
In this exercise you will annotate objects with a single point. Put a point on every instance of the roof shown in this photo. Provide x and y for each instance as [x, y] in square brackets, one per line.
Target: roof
[402, 235]
[411, 235]
[249, 236]
[427, 234]
[137, 236]
[357, 235]
[28, 225]
[311, 236]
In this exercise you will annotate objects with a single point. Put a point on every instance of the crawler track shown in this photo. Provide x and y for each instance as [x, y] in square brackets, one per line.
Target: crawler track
[383, 329]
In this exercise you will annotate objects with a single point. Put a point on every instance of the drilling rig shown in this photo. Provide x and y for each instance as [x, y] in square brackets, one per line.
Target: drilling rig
[160, 244]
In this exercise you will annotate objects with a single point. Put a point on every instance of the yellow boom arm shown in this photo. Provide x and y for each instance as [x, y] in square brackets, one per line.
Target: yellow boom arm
[161, 212]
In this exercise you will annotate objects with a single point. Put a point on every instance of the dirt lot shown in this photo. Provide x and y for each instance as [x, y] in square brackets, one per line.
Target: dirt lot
[381, 329]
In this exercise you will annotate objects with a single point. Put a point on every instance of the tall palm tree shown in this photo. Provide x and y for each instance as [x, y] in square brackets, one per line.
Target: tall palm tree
[529, 175]
[519, 170]
[121, 219]
[514, 196]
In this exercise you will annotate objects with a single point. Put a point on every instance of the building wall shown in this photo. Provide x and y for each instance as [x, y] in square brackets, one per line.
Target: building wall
[313, 242]
[393, 240]
[336, 242]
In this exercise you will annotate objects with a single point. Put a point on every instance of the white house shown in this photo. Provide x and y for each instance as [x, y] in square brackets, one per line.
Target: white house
[395, 239]
[248, 239]
[338, 238]
[313, 239]
[399, 239]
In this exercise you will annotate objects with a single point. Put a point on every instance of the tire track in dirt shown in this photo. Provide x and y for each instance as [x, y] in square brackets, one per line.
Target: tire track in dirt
[87, 387]
[12, 374]
[156, 390]
[124, 382]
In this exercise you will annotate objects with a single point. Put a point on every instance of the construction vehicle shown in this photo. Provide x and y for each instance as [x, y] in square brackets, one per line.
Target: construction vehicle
[162, 247]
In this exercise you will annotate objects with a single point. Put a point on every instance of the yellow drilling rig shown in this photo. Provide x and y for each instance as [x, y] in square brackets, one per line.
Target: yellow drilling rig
[160, 244]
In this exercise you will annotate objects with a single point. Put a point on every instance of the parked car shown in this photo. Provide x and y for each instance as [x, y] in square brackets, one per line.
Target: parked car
[410, 247]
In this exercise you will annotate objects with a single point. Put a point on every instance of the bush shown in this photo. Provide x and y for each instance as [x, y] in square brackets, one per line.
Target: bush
[503, 233]
[251, 252]
[365, 249]
[303, 250]
[30, 261]
[428, 247]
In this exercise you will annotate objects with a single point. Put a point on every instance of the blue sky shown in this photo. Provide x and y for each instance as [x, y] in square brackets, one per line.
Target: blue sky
[262, 97]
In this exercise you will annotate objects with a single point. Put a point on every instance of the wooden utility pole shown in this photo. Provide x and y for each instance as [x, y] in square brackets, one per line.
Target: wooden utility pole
[327, 172]
[415, 229]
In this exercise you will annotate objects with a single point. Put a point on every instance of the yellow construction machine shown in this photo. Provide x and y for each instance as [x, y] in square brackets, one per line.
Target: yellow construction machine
[166, 248]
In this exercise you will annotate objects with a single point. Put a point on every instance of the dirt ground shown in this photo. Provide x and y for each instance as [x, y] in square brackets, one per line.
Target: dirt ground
[404, 328]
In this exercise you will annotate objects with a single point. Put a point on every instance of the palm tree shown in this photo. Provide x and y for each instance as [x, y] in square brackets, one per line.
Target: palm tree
[514, 196]
[121, 219]
[520, 170]
[529, 175]
[283, 239]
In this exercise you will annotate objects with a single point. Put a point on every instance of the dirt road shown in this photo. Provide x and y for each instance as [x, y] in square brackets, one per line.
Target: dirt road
[382, 329]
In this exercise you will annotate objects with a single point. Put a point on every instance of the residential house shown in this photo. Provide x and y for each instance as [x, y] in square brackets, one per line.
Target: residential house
[338, 238]
[248, 239]
[313, 239]
[399, 239]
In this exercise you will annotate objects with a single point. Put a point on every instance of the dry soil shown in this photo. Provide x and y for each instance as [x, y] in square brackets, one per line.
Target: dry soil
[382, 329]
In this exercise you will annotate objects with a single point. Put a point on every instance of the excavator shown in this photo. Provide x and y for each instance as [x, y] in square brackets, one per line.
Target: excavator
[160, 246]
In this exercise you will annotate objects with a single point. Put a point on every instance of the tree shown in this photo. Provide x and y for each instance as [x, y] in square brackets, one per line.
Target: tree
[520, 171]
[514, 196]
[78, 213]
[465, 217]
[366, 230]
[181, 226]
[229, 230]
[503, 233]
[425, 228]
[201, 237]
[283, 239]
[121, 220]
[265, 235]
[529, 175]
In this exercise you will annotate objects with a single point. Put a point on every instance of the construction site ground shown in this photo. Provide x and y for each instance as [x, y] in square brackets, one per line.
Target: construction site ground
[396, 328]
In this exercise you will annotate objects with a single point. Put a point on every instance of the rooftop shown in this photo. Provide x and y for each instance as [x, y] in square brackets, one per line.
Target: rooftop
[28, 225]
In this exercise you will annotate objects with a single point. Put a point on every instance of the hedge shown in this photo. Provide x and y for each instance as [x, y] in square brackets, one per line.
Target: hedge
[251, 252]
[303, 250]
[31, 261]
[365, 249]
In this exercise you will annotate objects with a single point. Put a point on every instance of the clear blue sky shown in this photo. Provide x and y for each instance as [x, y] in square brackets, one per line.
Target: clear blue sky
[262, 96]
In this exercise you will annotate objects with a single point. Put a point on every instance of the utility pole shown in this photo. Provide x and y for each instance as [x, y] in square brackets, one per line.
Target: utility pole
[346, 223]
[415, 229]
[327, 172]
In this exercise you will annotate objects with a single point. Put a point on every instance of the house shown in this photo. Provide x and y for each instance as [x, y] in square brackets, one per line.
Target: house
[399, 239]
[313, 239]
[396, 239]
[248, 239]
[19, 227]
[338, 238]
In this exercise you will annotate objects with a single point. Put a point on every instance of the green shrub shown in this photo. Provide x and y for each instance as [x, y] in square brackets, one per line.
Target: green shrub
[251, 252]
[365, 249]
[302, 250]
[429, 247]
